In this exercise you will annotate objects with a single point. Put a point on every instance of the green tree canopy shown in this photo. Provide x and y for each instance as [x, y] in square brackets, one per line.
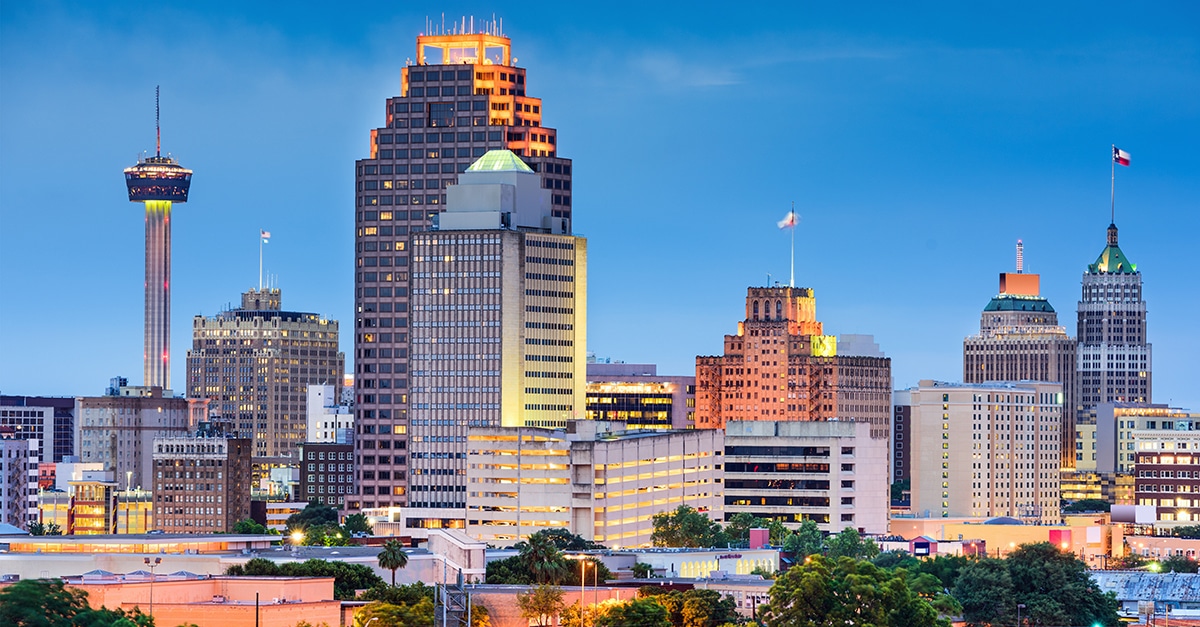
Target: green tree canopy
[314, 514]
[49, 603]
[564, 540]
[808, 540]
[1187, 531]
[1088, 505]
[348, 578]
[541, 603]
[47, 529]
[644, 612]
[1053, 585]
[1178, 564]
[358, 523]
[849, 543]
[898, 489]
[823, 592]
[248, 526]
[687, 528]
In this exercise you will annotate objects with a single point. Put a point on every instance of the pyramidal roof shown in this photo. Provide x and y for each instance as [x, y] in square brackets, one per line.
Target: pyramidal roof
[499, 161]
[1111, 259]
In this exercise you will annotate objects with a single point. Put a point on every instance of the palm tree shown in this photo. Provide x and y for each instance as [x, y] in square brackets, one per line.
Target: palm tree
[543, 559]
[393, 557]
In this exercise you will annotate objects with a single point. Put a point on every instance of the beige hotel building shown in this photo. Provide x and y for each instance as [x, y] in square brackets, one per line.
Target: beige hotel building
[985, 449]
[593, 478]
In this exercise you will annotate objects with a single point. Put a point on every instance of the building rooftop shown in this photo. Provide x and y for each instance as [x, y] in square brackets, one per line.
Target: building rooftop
[1010, 302]
[499, 161]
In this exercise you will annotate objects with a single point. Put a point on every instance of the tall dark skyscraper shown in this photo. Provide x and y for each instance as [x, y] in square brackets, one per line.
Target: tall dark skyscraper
[158, 182]
[463, 96]
[1114, 362]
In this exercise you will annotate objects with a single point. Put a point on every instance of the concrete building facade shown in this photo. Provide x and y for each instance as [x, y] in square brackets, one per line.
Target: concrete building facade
[1020, 340]
[834, 473]
[780, 366]
[463, 96]
[1167, 468]
[986, 449]
[119, 429]
[1117, 428]
[202, 483]
[593, 478]
[327, 472]
[329, 419]
[254, 364]
[18, 480]
[638, 396]
[1114, 362]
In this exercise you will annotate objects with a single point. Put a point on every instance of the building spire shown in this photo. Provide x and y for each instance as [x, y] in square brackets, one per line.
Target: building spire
[157, 128]
[1112, 235]
[1020, 257]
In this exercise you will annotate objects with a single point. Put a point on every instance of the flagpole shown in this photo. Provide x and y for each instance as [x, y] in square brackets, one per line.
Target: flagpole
[1112, 195]
[260, 244]
[792, 279]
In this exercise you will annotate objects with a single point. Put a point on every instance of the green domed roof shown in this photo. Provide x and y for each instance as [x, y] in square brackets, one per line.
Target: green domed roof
[499, 161]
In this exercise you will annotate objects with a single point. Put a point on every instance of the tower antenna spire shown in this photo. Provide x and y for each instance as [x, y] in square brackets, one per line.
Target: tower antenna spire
[157, 127]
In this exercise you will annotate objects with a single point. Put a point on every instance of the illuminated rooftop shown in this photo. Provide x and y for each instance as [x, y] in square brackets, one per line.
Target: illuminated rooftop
[158, 178]
[499, 161]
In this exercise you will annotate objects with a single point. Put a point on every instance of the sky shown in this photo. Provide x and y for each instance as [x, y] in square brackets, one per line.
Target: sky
[917, 143]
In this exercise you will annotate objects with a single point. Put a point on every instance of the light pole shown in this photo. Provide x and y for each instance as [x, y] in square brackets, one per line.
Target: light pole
[1020, 606]
[373, 619]
[152, 565]
[582, 581]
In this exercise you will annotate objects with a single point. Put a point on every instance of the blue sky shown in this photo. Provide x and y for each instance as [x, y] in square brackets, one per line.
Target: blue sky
[918, 144]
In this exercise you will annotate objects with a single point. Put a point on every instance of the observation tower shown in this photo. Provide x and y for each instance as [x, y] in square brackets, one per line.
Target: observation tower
[158, 182]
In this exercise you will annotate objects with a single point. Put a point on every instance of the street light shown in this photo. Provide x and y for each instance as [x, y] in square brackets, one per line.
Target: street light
[582, 581]
[152, 565]
[1020, 606]
[373, 619]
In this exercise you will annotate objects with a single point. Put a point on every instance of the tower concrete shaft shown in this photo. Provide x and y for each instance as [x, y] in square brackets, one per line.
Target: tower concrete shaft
[157, 359]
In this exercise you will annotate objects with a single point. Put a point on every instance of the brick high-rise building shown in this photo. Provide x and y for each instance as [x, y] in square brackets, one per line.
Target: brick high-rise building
[779, 367]
[255, 364]
[202, 482]
[463, 96]
[119, 428]
[1020, 340]
[1114, 357]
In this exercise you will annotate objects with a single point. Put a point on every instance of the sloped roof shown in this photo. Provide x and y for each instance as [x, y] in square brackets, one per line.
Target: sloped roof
[499, 161]
[1006, 302]
[1112, 261]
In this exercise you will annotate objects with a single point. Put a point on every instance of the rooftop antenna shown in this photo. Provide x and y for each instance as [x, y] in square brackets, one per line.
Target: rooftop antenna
[157, 128]
[1020, 257]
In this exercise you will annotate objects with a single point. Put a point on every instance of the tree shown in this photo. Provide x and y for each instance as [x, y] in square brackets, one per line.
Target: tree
[1187, 531]
[822, 592]
[541, 603]
[807, 541]
[898, 558]
[347, 578]
[313, 514]
[542, 559]
[249, 526]
[636, 613]
[738, 526]
[417, 614]
[564, 540]
[47, 529]
[686, 528]
[1053, 585]
[49, 603]
[509, 571]
[399, 595]
[945, 567]
[898, 489]
[1128, 561]
[1178, 564]
[393, 557]
[1088, 505]
[642, 570]
[358, 523]
[849, 543]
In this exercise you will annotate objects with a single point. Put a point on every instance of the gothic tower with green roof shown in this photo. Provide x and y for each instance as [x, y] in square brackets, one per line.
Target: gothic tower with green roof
[1114, 356]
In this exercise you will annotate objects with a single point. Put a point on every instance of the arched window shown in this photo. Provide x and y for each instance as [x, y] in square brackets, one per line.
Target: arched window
[756, 310]
[779, 310]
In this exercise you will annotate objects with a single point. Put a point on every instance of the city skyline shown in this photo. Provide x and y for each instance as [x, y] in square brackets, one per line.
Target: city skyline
[915, 177]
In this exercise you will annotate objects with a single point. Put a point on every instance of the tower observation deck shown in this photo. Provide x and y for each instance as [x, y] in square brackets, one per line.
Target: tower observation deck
[158, 182]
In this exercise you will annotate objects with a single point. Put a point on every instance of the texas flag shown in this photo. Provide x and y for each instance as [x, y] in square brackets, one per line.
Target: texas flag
[789, 220]
[266, 236]
[1120, 156]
